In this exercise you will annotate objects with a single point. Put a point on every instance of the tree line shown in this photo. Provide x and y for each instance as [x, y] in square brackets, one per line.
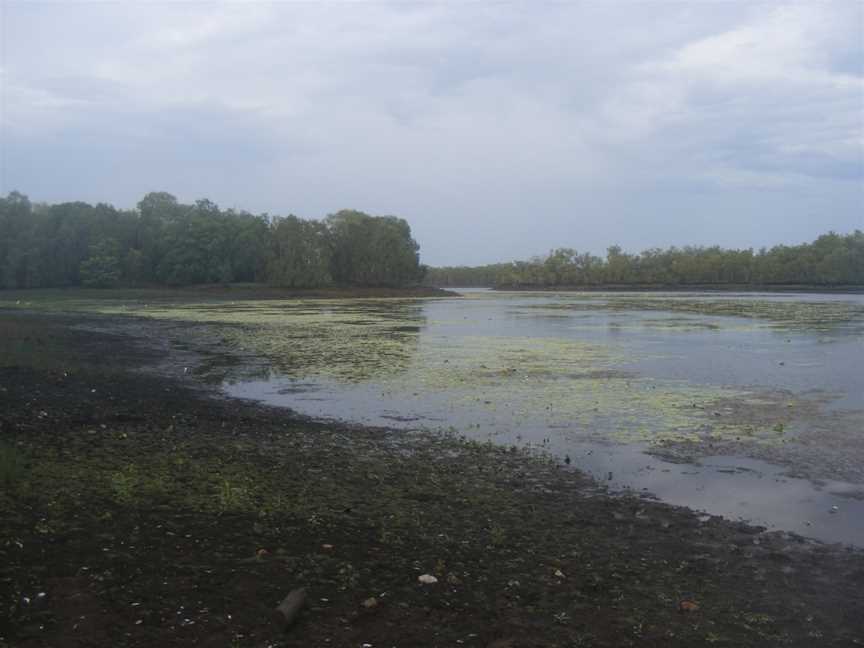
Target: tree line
[165, 242]
[831, 260]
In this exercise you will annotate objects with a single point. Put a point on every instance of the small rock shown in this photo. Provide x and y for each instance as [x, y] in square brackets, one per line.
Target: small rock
[327, 547]
[559, 574]
[370, 603]
[427, 579]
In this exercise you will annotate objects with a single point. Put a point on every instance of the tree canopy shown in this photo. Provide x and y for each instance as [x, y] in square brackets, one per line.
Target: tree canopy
[831, 260]
[165, 242]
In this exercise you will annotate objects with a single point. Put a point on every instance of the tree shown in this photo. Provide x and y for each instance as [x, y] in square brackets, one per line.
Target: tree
[372, 250]
[102, 269]
[300, 254]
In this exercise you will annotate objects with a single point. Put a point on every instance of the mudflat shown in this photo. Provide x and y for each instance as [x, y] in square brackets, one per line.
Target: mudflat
[140, 507]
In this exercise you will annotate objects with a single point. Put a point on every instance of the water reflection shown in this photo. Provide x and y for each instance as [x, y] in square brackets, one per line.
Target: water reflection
[760, 374]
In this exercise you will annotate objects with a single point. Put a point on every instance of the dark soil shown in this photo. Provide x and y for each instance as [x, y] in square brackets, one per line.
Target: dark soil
[138, 510]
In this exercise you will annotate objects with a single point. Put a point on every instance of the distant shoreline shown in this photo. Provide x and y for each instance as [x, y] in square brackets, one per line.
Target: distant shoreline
[778, 288]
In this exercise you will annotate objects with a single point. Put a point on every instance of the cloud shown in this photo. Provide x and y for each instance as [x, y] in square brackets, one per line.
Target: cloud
[532, 125]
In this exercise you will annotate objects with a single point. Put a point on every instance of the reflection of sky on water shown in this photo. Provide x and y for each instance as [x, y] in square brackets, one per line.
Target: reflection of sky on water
[739, 351]
[735, 488]
[662, 348]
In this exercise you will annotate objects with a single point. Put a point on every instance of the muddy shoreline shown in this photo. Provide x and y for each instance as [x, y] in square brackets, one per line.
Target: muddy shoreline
[141, 508]
[229, 292]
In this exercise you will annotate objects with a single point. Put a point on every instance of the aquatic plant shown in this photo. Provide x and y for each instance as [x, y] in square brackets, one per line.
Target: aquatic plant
[500, 386]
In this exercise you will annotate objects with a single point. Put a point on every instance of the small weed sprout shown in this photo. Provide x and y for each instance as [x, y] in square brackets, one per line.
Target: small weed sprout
[124, 483]
[498, 536]
[230, 496]
[11, 466]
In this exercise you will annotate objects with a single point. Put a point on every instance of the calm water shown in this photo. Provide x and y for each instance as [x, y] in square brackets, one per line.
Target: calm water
[600, 378]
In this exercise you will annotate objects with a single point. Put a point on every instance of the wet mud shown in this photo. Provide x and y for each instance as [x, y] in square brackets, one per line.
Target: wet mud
[141, 507]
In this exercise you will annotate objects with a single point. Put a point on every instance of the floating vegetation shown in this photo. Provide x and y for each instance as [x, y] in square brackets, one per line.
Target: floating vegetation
[392, 353]
[800, 313]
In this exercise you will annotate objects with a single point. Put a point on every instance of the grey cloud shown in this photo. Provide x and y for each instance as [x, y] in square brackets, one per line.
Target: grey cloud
[498, 131]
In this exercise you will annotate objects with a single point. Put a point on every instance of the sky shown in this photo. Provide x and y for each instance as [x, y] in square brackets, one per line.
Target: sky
[499, 130]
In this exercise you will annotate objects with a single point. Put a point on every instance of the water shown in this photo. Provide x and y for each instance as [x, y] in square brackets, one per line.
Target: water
[774, 381]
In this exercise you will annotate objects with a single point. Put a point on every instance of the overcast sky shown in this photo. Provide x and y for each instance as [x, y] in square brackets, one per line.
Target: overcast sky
[498, 130]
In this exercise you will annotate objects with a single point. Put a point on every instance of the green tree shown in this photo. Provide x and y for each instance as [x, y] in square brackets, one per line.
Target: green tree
[300, 253]
[372, 250]
[102, 268]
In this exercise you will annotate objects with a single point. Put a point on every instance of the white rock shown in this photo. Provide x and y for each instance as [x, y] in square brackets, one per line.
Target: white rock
[427, 579]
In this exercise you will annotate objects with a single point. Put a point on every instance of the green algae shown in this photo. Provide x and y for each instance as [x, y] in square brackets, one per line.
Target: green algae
[341, 339]
[492, 383]
[798, 314]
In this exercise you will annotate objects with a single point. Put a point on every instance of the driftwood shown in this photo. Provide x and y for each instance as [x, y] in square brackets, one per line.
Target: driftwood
[286, 613]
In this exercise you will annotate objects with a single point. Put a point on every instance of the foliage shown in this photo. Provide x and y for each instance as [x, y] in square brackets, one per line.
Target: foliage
[300, 253]
[831, 260]
[373, 251]
[101, 269]
[165, 242]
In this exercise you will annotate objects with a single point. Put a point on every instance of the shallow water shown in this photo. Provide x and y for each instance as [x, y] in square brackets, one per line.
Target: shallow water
[601, 378]
[771, 383]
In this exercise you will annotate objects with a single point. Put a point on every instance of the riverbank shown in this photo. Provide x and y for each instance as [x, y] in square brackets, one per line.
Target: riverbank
[223, 292]
[143, 510]
[719, 288]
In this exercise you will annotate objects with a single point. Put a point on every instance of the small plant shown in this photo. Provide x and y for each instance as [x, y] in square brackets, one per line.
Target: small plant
[11, 466]
[498, 536]
[440, 567]
[230, 496]
[347, 577]
[124, 483]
